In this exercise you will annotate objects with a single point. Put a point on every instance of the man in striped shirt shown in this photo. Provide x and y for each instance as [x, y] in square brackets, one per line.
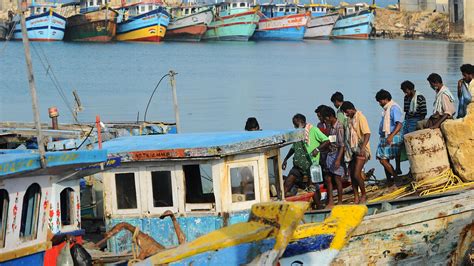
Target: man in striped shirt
[414, 106]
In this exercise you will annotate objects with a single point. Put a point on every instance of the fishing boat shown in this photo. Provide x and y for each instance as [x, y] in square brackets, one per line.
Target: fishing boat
[189, 23]
[43, 24]
[322, 21]
[39, 206]
[281, 22]
[3, 30]
[265, 238]
[356, 22]
[96, 22]
[208, 180]
[234, 20]
[414, 230]
[146, 21]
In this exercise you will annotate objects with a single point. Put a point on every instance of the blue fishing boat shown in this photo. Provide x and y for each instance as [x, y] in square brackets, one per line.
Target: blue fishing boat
[145, 21]
[40, 205]
[281, 22]
[43, 24]
[207, 180]
[356, 22]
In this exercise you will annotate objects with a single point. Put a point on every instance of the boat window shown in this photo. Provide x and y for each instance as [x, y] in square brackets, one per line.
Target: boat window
[243, 5]
[193, 10]
[142, 8]
[274, 177]
[186, 11]
[4, 200]
[243, 183]
[292, 10]
[126, 191]
[67, 206]
[91, 3]
[30, 212]
[199, 187]
[162, 188]
[234, 5]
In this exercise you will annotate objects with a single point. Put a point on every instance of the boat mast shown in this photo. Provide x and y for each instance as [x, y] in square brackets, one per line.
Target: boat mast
[31, 82]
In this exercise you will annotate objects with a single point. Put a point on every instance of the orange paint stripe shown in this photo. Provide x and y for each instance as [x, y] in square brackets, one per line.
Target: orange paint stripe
[157, 154]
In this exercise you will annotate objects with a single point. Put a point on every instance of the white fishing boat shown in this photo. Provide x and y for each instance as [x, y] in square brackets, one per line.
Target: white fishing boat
[189, 23]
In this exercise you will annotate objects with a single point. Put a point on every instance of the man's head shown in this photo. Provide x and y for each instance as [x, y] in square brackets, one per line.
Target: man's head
[383, 97]
[299, 121]
[435, 80]
[337, 99]
[467, 71]
[328, 115]
[408, 88]
[319, 110]
[348, 109]
[252, 124]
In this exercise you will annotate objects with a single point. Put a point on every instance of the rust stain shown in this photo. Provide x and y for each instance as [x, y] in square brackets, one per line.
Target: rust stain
[464, 243]
[458, 205]
[442, 214]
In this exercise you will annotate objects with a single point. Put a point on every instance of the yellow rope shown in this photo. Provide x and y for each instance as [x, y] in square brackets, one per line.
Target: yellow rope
[446, 181]
[135, 249]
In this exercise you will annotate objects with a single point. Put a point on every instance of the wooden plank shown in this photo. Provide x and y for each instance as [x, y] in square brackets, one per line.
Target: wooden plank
[22, 252]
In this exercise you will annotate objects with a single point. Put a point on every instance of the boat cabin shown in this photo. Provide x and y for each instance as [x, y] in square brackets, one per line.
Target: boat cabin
[141, 8]
[38, 204]
[184, 11]
[38, 9]
[233, 7]
[318, 10]
[278, 10]
[92, 5]
[353, 9]
[208, 180]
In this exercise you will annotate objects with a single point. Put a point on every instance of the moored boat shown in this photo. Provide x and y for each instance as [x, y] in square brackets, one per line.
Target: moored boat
[95, 23]
[281, 22]
[322, 22]
[147, 21]
[39, 206]
[43, 24]
[234, 20]
[356, 22]
[189, 23]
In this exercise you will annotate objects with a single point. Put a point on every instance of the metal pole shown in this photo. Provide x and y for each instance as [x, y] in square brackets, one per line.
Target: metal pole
[31, 81]
[175, 100]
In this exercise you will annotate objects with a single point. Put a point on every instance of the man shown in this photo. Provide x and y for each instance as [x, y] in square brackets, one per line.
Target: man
[414, 105]
[252, 124]
[444, 103]
[335, 156]
[321, 125]
[337, 100]
[389, 132]
[464, 94]
[358, 147]
[305, 153]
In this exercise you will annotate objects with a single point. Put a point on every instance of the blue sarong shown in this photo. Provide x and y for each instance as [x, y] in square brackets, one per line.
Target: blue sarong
[389, 152]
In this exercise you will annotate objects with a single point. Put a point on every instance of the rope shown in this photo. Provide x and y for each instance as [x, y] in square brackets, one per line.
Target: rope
[135, 248]
[446, 181]
[151, 97]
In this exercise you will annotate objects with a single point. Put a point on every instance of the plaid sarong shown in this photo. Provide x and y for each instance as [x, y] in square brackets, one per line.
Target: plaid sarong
[385, 151]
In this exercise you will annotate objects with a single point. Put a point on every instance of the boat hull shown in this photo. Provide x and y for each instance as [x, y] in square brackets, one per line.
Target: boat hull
[48, 26]
[149, 27]
[190, 28]
[238, 27]
[291, 27]
[320, 27]
[354, 26]
[93, 26]
[430, 233]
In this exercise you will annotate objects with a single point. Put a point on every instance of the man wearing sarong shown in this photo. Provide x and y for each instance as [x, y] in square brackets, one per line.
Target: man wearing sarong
[335, 155]
[443, 107]
[464, 95]
[306, 153]
[357, 148]
[390, 134]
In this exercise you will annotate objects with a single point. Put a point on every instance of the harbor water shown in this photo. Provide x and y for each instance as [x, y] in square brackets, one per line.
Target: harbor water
[220, 84]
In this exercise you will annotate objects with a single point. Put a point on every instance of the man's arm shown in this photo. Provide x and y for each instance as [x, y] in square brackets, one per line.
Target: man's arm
[322, 146]
[397, 129]
[290, 153]
[364, 144]
[438, 122]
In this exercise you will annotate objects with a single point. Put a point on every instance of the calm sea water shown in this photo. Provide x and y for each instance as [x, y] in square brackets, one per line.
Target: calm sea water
[221, 84]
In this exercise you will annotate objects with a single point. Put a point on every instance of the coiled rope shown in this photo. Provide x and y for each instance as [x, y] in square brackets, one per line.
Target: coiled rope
[446, 181]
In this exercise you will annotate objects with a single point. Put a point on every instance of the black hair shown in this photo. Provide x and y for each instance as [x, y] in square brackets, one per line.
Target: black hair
[407, 85]
[337, 96]
[251, 123]
[383, 95]
[299, 117]
[347, 105]
[320, 108]
[435, 78]
[467, 69]
[328, 112]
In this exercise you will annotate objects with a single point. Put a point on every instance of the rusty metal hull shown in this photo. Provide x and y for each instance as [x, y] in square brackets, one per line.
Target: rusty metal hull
[436, 232]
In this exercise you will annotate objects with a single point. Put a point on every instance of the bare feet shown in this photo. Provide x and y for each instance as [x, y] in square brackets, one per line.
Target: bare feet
[356, 200]
[363, 199]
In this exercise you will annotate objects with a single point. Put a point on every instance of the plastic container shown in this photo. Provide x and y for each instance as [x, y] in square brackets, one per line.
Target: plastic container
[316, 173]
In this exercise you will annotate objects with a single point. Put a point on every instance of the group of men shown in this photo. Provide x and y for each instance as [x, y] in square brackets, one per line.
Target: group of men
[340, 141]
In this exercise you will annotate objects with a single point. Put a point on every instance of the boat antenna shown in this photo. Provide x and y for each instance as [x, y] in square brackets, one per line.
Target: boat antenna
[31, 82]
[151, 97]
